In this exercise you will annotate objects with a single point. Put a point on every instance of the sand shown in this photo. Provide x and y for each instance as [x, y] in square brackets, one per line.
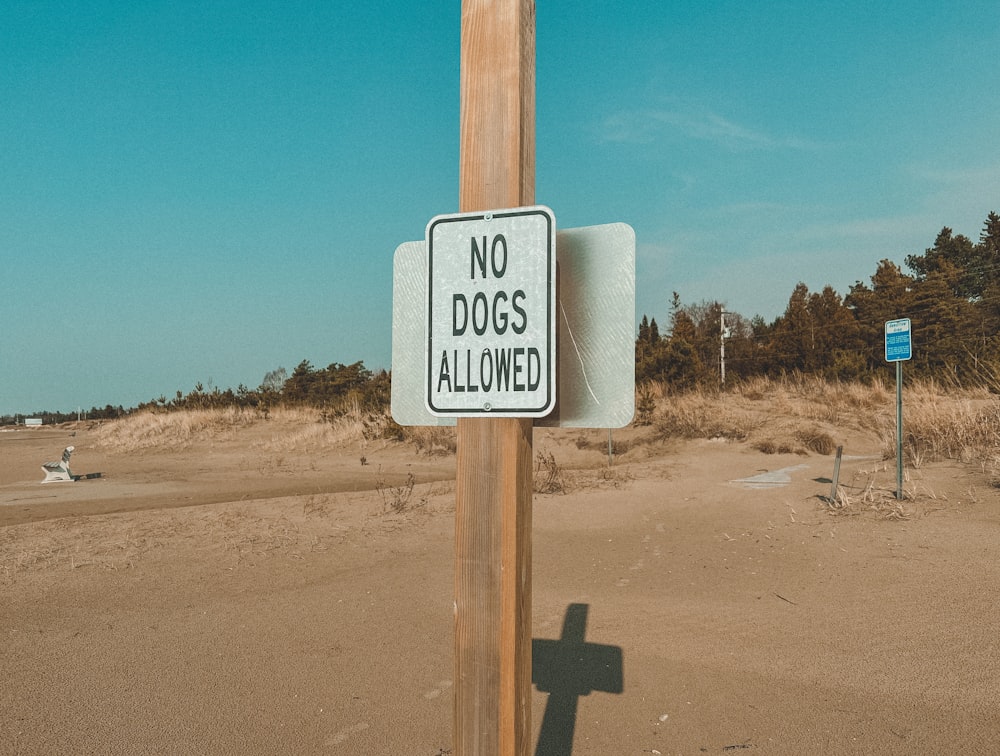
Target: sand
[216, 598]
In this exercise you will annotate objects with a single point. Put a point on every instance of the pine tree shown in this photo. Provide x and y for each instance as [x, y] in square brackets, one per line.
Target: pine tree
[889, 297]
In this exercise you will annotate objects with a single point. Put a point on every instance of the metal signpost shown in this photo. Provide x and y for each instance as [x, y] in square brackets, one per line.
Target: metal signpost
[898, 349]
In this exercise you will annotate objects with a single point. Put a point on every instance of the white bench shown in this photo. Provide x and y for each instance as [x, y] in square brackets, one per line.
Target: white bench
[58, 472]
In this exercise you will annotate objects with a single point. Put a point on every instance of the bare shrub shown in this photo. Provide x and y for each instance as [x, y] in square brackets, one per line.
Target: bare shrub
[766, 446]
[397, 498]
[548, 476]
[620, 446]
[817, 440]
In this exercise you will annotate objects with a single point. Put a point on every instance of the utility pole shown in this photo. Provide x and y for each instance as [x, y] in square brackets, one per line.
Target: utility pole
[722, 347]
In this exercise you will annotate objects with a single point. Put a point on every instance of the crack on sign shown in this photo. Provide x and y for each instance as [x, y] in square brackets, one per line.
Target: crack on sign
[579, 357]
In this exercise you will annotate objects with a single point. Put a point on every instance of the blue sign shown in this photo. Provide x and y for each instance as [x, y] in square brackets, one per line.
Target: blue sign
[898, 345]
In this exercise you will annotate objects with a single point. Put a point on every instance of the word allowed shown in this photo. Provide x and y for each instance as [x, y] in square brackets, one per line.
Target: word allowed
[510, 369]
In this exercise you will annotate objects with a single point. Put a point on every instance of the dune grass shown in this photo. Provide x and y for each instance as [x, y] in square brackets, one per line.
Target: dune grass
[289, 429]
[802, 414]
[284, 429]
[939, 424]
[797, 414]
[170, 430]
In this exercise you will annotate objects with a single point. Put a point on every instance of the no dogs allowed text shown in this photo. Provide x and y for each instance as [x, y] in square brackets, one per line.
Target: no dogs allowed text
[491, 325]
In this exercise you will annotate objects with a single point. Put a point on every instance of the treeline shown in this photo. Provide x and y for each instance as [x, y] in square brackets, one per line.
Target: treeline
[335, 389]
[331, 389]
[51, 418]
[950, 292]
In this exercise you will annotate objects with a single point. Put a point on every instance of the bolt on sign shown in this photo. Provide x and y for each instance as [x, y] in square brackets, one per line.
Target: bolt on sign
[491, 326]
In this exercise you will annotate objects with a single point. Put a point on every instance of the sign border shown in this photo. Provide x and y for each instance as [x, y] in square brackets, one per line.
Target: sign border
[550, 327]
[909, 340]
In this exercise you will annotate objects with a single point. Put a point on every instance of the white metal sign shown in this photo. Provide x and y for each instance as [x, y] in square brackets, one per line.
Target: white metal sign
[491, 294]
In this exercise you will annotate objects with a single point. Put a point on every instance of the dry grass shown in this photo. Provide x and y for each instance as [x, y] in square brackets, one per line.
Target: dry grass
[815, 398]
[800, 415]
[939, 424]
[804, 415]
[548, 477]
[286, 430]
[870, 495]
[701, 415]
[817, 440]
[432, 440]
[171, 430]
[305, 429]
[873, 492]
[775, 417]
[552, 478]
[398, 498]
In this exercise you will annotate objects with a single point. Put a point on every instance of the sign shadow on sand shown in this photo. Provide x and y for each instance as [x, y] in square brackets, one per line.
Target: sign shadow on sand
[566, 669]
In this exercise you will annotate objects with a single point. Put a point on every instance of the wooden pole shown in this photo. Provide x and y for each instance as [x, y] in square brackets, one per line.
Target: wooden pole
[492, 713]
[836, 475]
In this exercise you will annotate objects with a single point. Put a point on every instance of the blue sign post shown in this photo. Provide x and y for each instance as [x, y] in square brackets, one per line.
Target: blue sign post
[898, 349]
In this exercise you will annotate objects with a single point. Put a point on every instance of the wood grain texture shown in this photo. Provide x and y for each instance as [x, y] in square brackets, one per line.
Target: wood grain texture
[493, 587]
[498, 104]
[492, 689]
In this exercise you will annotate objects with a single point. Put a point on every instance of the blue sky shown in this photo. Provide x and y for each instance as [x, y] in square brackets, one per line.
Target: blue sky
[198, 191]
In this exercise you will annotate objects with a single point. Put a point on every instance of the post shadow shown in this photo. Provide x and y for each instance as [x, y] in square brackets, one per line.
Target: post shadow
[567, 669]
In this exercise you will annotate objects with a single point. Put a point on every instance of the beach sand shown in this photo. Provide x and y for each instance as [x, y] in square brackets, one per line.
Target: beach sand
[217, 597]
